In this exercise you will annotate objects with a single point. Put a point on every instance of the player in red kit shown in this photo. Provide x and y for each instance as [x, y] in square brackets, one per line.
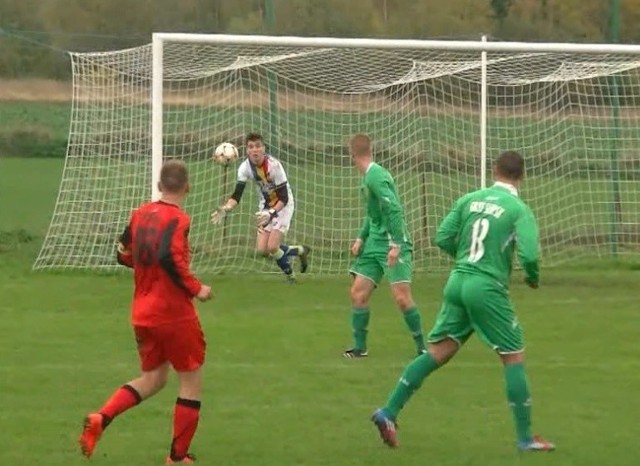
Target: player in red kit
[165, 323]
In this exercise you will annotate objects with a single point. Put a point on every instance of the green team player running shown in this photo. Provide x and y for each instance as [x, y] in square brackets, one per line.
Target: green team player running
[481, 232]
[382, 247]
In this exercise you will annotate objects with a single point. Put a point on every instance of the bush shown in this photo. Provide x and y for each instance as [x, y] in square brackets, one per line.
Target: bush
[31, 141]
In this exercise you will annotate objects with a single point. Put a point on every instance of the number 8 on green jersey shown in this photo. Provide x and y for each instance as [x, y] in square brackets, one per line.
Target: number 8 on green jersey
[482, 232]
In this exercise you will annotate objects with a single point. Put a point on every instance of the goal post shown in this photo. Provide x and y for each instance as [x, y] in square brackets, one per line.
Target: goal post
[438, 112]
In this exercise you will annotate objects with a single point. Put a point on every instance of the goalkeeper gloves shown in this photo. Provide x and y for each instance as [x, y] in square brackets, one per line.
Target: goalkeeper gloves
[218, 215]
[264, 217]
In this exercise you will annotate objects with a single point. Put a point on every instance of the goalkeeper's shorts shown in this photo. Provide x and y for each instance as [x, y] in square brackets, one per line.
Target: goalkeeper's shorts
[282, 222]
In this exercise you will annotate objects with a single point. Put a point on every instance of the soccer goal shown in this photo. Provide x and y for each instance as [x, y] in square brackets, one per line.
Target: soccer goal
[438, 111]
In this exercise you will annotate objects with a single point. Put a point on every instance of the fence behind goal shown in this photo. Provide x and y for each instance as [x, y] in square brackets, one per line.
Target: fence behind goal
[438, 112]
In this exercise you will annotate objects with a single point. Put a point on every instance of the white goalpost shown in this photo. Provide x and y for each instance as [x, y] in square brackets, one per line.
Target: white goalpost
[438, 112]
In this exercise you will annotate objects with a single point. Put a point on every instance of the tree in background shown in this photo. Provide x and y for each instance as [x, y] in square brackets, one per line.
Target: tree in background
[30, 27]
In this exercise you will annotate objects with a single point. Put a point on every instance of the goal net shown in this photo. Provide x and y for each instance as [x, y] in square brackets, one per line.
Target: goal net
[437, 117]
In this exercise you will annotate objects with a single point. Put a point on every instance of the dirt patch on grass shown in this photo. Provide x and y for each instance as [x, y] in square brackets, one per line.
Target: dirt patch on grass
[35, 90]
[46, 90]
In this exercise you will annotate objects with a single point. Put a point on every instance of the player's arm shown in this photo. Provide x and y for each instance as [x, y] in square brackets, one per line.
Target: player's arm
[234, 200]
[173, 255]
[391, 210]
[124, 255]
[235, 197]
[527, 243]
[449, 230]
[363, 233]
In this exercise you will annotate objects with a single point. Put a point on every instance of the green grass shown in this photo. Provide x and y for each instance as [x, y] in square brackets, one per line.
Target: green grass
[276, 389]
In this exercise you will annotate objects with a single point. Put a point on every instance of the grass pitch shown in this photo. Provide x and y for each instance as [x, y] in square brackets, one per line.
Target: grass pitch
[277, 391]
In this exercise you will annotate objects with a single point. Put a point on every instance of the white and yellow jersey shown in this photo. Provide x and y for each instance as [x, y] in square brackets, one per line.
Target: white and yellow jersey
[268, 177]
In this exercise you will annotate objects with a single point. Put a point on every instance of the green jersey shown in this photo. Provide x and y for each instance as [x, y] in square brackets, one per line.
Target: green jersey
[384, 222]
[483, 229]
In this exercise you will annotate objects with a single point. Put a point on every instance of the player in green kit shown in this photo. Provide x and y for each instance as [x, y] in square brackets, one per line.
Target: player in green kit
[382, 247]
[481, 232]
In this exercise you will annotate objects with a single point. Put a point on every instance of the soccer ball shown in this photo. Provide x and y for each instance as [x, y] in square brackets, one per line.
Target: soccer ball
[225, 153]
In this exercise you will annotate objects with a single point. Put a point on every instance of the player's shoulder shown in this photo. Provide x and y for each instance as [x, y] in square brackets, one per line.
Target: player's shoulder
[167, 210]
[274, 161]
[469, 197]
[494, 194]
[378, 169]
[509, 199]
[245, 165]
[144, 207]
[377, 172]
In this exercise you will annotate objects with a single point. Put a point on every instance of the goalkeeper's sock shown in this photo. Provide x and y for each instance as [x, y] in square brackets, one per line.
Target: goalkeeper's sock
[519, 399]
[292, 250]
[414, 322]
[411, 380]
[282, 260]
[360, 322]
[124, 398]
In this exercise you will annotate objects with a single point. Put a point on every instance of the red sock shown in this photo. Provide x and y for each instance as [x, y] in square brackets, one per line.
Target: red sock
[185, 423]
[123, 398]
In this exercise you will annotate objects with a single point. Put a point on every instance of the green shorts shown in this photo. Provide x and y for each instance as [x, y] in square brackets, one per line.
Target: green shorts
[475, 303]
[372, 264]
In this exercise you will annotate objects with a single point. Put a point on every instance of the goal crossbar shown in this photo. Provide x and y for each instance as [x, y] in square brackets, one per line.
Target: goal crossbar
[443, 45]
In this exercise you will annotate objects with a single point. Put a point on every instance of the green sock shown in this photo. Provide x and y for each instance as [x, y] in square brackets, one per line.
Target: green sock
[519, 399]
[414, 321]
[360, 322]
[411, 380]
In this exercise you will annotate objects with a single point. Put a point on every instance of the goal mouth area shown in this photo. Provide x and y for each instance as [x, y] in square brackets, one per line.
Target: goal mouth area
[438, 112]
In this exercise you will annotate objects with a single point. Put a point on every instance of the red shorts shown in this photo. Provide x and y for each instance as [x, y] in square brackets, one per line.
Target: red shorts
[182, 344]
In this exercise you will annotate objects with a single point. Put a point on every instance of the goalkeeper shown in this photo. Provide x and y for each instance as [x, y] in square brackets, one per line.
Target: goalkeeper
[275, 208]
[382, 247]
[481, 233]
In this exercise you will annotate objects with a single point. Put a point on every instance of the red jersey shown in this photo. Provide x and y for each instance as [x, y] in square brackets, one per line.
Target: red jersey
[156, 245]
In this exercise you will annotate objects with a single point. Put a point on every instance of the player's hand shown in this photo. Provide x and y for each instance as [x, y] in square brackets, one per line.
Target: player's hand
[205, 293]
[218, 215]
[264, 217]
[355, 247]
[392, 257]
[532, 284]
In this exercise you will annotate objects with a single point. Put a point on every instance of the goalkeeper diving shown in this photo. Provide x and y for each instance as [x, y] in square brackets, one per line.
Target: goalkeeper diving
[275, 207]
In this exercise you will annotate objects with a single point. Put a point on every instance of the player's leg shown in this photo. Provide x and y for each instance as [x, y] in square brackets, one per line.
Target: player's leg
[282, 223]
[518, 395]
[301, 251]
[153, 378]
[366, 273]
[450, 331]
[399, 277]
[276, 250]
[186, 351]
[437, 355]
[495, 322]
[186, 416]
[404, 300]
[268, 245]
[362, 287]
